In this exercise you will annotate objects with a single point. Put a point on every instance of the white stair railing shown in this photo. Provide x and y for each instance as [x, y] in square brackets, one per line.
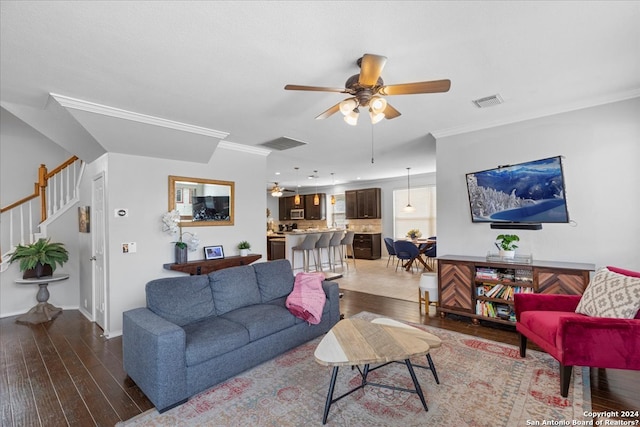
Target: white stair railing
[57, 190]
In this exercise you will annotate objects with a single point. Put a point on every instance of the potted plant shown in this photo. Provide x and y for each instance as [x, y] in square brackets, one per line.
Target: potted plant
[39, 258]
[244, 247]
[505, 243]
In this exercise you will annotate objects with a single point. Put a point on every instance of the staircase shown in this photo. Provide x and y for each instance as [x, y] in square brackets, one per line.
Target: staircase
[26, 220]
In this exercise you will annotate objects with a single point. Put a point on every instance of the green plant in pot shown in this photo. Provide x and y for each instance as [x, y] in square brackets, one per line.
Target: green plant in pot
[39, 258]
[244, 247]
[505, 243]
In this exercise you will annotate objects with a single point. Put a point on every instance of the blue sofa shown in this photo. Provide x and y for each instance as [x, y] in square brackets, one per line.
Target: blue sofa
[198, 331]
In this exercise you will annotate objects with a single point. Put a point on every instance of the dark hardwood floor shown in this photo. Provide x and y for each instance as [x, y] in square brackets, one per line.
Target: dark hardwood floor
[65, 373]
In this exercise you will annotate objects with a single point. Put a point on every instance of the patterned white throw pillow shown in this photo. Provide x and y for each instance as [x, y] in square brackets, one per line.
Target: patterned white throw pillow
[610, 294]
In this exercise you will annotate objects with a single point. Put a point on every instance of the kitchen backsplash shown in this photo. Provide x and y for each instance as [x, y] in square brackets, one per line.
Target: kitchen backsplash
[363, 225]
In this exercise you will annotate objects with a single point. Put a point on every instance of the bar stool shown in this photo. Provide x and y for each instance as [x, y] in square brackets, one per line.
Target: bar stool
[347, 242]
[334, 244]
[307, 245]
[428, 291]
[323, 243]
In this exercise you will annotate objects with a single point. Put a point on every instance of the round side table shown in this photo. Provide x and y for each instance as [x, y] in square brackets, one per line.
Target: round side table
[43, 311]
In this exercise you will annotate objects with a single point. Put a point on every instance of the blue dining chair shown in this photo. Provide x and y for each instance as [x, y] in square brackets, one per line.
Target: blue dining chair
[430, 252]
[406, 251]
[388, 242]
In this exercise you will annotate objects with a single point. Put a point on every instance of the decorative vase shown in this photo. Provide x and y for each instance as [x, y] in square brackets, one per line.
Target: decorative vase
[507, 254]
[244, 252]
[181, 254]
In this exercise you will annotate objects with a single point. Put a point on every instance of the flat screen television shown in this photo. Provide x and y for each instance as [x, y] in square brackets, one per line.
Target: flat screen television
[526, 193]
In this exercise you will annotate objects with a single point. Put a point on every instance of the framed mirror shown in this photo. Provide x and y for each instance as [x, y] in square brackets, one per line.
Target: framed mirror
[201, 202]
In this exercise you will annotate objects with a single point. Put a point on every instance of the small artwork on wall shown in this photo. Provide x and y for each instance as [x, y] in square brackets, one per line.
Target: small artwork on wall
[84, 216]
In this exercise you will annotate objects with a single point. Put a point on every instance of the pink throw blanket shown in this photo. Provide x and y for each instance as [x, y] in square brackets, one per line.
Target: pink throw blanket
[307, 299]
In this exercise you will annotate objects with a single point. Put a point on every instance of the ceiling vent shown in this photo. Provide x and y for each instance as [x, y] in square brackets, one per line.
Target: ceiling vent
[283, 143]
[488, 101]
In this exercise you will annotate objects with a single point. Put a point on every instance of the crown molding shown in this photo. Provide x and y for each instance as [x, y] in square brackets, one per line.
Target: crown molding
[608, 99]
[227, 145]
[91, 107]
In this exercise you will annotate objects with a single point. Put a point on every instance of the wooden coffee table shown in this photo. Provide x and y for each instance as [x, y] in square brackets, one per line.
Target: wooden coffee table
[355, 342]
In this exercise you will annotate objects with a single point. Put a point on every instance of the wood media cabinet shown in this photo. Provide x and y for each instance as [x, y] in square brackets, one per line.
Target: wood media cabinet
[483, 290]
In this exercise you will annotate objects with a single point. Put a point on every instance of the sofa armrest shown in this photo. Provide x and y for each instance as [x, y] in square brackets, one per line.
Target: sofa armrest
[544, 302]
[332, 291]
[154, 356]
[600, 342]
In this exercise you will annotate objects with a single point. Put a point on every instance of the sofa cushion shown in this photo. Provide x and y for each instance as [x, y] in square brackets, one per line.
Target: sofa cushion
[233, 288]
[212, 337]
[180, 300]
[611, 294]
[261, 320]
[275, 279]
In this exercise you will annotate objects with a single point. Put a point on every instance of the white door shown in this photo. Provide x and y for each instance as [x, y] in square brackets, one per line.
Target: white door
[98, 248]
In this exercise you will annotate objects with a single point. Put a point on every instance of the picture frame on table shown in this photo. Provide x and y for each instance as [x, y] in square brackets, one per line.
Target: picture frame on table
[213, 252]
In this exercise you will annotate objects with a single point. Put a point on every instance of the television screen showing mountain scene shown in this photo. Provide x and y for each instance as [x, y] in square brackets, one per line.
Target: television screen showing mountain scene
[531, 192]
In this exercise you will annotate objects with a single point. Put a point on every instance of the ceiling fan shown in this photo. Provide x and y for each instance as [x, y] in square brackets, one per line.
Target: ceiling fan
[277, 191]
[368, 90]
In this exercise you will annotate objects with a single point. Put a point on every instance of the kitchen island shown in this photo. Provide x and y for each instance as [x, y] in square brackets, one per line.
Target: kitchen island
[296, 237]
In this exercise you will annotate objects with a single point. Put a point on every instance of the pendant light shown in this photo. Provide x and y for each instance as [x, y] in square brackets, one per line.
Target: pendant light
[296, 199]
[409, 208]
[316, 198]
[333, 197]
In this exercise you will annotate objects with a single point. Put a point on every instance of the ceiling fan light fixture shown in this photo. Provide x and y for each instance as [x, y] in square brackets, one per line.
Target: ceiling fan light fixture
[276, 193]
[377, 104]
[352, 117]
[348, 105]
[375, 118]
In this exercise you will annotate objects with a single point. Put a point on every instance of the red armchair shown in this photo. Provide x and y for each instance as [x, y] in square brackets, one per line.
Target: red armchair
[574, 339]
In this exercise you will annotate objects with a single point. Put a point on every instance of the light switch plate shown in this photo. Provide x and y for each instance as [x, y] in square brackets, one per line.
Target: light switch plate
[129, 247]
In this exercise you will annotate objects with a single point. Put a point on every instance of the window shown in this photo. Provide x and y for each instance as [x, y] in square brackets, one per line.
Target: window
[336, 214]
[423, 199]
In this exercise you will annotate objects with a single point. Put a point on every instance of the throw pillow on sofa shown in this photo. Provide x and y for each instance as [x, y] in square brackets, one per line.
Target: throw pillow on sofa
[611, 294]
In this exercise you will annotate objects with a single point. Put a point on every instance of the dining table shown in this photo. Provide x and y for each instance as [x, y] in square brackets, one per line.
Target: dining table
[423, 246]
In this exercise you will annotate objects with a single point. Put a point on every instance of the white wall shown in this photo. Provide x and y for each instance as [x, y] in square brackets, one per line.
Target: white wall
[140, 184]
[601, 149]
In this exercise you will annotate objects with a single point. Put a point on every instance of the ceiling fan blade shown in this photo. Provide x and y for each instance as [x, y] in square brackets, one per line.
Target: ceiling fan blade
[315, 88]
[418, 87]
[390, 112]
[329, 112]
[370, 69]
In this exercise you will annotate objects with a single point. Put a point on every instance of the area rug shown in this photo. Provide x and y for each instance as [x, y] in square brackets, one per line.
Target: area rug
[482, 383]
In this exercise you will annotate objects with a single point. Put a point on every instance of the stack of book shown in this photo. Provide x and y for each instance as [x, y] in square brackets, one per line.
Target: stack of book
[486, 273]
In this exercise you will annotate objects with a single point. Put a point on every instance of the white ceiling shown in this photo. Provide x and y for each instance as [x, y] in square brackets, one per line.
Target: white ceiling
[222, 66]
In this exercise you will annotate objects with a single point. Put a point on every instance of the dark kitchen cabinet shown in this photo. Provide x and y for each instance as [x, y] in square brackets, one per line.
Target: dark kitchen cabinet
[363, 204]
[367, 245]
[275, 248]
[285, 204]
[315, 212]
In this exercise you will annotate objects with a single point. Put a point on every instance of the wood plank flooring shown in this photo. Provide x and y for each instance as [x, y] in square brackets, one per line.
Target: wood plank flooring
[64, 372]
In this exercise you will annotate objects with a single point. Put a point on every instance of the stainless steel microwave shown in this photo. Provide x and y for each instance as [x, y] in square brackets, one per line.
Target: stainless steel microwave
[297, 213]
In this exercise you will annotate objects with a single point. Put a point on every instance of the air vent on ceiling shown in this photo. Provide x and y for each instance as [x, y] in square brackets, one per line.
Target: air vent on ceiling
[283, 143]
[488, 101]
